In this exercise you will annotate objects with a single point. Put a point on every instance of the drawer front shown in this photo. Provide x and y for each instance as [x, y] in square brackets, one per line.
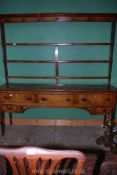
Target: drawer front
[11, 108]
[100, 110]
[8, 97]
[55, 100]
[87, 100]
[104, 99]
[77, 100]
[104, 110]
[26, 98]
[17, 98]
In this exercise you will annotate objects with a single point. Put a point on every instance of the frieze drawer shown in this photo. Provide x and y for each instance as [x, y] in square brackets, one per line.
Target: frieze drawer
[11, 108]
[53, 99]
[100, 110]
[17, 98]
[94, 100]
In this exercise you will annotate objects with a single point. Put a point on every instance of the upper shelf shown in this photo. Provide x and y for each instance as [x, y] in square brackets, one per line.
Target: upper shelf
[58, 17]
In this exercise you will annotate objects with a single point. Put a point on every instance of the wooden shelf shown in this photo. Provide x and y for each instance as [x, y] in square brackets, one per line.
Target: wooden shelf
[58, 77]
[59, 61]
[59, 17]
[57, 44]
[53, 87]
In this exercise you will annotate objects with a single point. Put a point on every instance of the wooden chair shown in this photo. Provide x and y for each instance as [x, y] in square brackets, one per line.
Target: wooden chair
[38, 161]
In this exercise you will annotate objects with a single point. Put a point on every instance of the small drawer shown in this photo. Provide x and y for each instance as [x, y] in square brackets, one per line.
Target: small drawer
[104, 99]
[94, 100]
[85, 100]
[104, 110]
[11, 108]
[17, 98]
[55, 100]
[7, 97]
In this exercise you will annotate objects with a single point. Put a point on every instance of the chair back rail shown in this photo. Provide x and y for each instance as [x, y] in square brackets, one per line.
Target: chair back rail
[38, 161]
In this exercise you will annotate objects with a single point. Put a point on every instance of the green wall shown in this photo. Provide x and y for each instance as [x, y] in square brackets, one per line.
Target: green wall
[58, 32]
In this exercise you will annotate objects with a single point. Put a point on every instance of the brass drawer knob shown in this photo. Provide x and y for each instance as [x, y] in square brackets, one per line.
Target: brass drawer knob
[6, 97]
[103, 110]
[68, 99]
[83, 99]
[44, 99]
[108, 99]
[29, 98]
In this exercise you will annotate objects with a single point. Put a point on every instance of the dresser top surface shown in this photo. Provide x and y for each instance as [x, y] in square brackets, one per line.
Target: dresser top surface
[57, 88]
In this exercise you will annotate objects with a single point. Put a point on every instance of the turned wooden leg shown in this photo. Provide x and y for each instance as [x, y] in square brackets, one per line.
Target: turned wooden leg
[104, 122]
[108, 140]
[10, 118]
[2, 117]
[109, 131]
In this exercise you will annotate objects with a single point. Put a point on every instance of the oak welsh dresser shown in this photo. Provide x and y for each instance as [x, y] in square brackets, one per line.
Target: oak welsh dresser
[98, 99]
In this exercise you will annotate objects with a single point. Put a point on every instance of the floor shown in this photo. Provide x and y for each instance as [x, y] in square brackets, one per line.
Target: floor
[82, 137]
[53, 136]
